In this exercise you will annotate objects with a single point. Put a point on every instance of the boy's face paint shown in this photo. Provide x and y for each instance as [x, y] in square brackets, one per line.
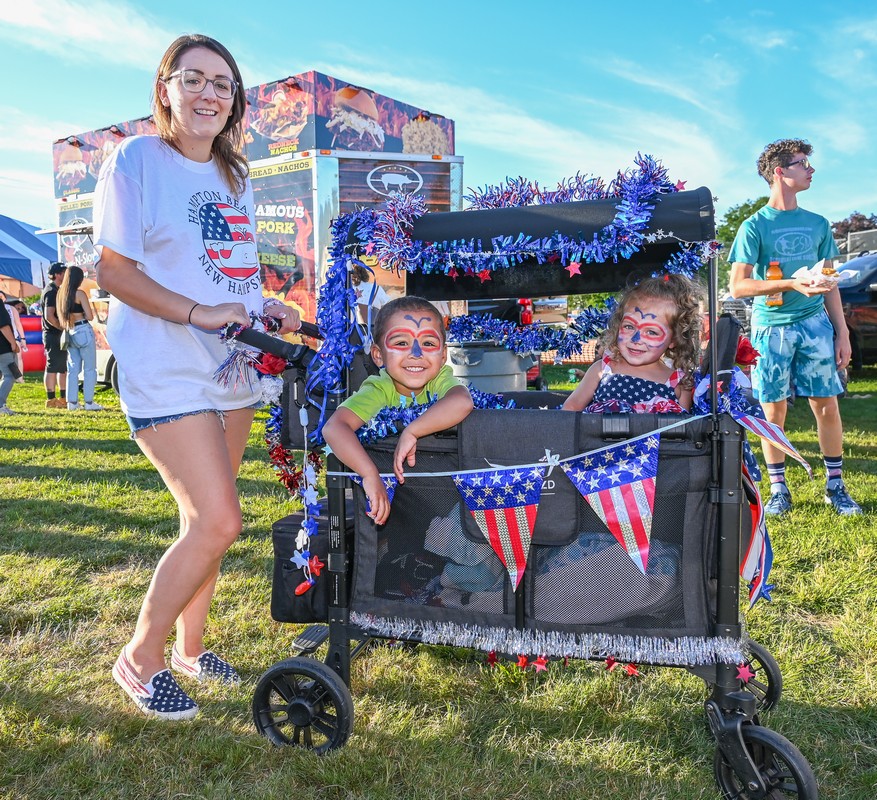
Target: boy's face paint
[412, 352]
[645, 335]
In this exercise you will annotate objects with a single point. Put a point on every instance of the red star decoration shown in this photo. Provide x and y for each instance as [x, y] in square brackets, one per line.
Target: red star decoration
[370, 247]
[566, 661]
[316, 565]
[452, 273]
[491, 658]
[631, 669]
[574, 268]
[611, 663]
[484, 275]
[745, 673]
[680, 185]
[540, 664]
[523, 661]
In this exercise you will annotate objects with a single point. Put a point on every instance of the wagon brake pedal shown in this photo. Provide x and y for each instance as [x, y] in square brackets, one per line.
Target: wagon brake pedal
[310, 639]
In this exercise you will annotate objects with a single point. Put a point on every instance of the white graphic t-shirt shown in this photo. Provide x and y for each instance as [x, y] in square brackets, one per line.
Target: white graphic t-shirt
[177, 219]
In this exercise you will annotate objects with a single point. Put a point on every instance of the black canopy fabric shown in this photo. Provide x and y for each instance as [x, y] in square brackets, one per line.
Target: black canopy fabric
[689, 216]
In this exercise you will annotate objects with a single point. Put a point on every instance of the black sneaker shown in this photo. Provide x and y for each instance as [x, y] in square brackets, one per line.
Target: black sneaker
[842, 502]
[780, 503]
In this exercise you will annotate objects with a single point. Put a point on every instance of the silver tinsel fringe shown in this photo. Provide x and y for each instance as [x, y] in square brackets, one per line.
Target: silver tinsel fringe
[684, 651]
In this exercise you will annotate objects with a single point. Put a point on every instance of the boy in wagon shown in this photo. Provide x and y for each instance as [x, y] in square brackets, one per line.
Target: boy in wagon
[409, 346]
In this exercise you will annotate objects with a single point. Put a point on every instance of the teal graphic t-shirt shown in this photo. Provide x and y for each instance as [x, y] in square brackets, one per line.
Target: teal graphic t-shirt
[796, 239]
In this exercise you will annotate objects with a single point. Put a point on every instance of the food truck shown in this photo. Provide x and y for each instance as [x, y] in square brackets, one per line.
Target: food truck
[318, 147]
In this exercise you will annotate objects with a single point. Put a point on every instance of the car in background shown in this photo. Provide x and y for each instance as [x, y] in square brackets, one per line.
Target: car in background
[858, 293]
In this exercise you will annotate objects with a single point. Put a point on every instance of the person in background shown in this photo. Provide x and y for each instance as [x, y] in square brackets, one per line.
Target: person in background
[15, 315]
[367, 292]
[798, 325]
[75, 313]
[174, 232]
[55, 375]
[8, 348]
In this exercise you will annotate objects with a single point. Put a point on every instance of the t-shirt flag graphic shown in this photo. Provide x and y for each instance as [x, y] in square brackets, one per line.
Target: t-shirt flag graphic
[228, 240]
[504, 503]
[619, 484]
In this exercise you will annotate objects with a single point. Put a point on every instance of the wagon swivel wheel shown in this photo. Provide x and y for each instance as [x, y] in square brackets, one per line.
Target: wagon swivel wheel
[766, 680]
[783, 769]
[304, 703]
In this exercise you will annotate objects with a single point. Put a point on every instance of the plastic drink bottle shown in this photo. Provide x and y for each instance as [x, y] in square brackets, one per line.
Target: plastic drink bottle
[774, 273]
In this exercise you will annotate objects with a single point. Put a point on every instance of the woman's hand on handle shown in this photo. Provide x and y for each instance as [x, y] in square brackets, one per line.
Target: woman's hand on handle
[289, 318]
[219, 316]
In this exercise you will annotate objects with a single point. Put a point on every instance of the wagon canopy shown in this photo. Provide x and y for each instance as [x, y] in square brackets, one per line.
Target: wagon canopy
[687, 216]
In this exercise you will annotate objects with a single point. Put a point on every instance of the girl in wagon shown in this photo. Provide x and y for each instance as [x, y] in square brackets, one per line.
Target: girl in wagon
[650, 351]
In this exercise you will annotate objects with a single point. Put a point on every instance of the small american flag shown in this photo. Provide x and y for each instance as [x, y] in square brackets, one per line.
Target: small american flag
[504, 503]
[758, 558]
[619, 484]
[773, 434]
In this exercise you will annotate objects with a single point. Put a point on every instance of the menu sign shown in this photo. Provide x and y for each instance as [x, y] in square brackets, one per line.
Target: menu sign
[284, 219]
[76, 249]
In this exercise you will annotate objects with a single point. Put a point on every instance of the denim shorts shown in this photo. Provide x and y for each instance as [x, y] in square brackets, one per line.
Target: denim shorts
[137, 424]
[800, 356]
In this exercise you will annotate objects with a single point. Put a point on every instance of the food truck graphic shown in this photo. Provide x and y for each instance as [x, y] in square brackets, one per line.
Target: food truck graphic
[318, 147]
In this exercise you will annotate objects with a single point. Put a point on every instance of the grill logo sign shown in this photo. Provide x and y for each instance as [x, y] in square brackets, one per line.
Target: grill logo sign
[389, 178]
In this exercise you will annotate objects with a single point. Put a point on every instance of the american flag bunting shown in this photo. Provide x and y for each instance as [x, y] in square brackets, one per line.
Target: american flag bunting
[619, 484]
[504, 503]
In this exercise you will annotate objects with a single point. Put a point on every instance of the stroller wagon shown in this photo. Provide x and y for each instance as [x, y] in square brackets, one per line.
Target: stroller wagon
[541, 575]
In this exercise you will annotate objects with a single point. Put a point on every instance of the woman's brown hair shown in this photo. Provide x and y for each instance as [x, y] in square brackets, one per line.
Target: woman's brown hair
[66, 298]
[228, 145]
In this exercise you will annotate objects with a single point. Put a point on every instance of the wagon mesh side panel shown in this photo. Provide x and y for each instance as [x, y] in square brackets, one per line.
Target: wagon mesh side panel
[425, 563]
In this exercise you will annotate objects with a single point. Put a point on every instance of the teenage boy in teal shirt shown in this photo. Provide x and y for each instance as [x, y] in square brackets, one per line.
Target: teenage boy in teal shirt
[804, 341]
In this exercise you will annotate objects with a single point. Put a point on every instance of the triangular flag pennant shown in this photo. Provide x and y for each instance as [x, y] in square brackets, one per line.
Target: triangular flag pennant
[773, 434]
[390, 483]
[504, 503]
[619, 484]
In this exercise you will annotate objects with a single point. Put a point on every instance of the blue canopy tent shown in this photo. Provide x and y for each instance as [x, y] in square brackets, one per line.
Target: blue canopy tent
[24, 256]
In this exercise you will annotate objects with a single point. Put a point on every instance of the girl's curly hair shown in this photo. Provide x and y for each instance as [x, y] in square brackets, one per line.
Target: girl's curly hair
[685, 323]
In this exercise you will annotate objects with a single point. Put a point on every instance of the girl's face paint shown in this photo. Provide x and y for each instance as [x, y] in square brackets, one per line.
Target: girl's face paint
[645, 335]
[412, 352]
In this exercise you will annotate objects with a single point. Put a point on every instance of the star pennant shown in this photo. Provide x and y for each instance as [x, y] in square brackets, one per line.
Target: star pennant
[504, 503]
[619, 484]
[390, 483]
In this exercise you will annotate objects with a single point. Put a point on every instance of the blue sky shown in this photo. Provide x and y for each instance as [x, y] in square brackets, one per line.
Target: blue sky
[542, 90]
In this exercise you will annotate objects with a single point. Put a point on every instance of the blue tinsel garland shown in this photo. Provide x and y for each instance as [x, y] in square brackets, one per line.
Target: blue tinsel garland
[522, 339]
[385, 233]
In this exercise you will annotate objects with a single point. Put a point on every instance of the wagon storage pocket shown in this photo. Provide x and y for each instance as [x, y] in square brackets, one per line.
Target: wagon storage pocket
[312, 605]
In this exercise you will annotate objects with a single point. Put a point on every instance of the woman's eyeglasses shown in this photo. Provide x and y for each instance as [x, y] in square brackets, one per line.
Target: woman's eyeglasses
[193, 81]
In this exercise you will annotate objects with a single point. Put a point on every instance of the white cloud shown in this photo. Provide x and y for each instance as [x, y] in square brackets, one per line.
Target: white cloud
[98, 31]
[677, 86]
[27, 195]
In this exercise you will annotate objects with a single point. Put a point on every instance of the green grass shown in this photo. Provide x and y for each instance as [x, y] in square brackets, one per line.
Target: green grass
[83, 519]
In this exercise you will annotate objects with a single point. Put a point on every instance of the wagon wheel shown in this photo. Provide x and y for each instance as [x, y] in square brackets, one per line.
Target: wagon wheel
[766, 683]
[304, 703]
[783, 769]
